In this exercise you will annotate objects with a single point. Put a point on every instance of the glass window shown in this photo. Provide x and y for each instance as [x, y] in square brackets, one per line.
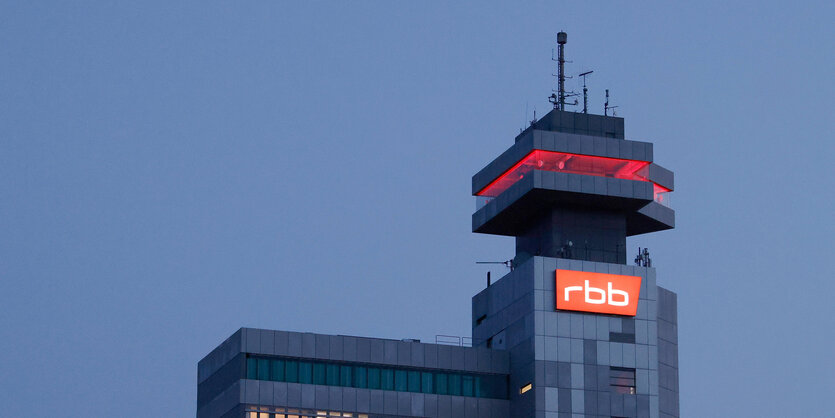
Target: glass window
[277, 370]
[263, 369]
[386, 379]
[467, 386]
[622, 380]
[305, 372]
[291, 371]
[401, 383]
[479, 387]
[454, 387]
[333, 374]
[374, 380]
[441, 386]
[361, 377]
[345, 376]
[251, 368]
[319, 374]
[414, 381]
[426, 382]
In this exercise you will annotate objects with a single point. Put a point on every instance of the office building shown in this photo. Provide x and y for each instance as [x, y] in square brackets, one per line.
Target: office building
[573, 330]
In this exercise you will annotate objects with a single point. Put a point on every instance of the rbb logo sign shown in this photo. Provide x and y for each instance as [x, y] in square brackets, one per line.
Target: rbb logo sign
[598, 292]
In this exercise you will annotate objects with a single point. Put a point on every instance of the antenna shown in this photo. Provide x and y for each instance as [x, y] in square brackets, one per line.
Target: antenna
[585, 92]
[559, 99]
[508, 263]
[562, 38]
[606, 106]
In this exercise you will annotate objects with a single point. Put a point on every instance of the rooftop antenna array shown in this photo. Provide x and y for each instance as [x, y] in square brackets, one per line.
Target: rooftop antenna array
[585, 92]
[606, 106]
[559, 99]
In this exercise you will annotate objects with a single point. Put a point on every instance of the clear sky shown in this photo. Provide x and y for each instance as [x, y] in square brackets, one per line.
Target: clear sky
[172, 171]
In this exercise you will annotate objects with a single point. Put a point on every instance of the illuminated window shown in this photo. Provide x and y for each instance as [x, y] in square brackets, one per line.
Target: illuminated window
[575, 164]
[525, 388]
[622, 380]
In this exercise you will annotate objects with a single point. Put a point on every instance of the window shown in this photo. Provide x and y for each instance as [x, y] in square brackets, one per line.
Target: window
[400, 382]
[333, 375]
[454, 387]
[277, 370]
[426, 382]
[251, 368]
[319, 374]
[291, 370]
[441, 381]
[263, 369]
[467, 385]
[305, 372]
[622, 380]
[361, 377]
[374, 379]
[622, 337]
[345, 376]
[386, 379]
[414, 381]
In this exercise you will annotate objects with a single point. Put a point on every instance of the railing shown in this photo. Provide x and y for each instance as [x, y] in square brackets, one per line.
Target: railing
[454, 340]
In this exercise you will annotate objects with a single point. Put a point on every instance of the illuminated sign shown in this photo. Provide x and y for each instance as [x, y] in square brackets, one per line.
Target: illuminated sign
[597, 292]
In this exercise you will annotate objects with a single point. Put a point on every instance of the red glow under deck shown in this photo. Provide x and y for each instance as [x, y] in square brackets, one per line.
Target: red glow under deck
[571, 163]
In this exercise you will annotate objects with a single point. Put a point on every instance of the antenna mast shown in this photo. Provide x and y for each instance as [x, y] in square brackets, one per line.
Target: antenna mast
[558, 98]
[606, 106]
[562, 38]
[585, 92]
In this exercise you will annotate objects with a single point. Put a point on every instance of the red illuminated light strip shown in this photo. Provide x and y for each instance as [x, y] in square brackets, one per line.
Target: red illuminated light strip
[536, 159]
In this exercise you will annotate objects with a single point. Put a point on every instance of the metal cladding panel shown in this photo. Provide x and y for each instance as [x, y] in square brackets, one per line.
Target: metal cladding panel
[661, 176]
[651, 218]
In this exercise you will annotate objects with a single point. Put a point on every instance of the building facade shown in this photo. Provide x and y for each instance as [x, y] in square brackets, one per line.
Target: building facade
[571, 331]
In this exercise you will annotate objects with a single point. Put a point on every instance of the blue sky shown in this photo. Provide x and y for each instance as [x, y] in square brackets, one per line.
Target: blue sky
[172, 171]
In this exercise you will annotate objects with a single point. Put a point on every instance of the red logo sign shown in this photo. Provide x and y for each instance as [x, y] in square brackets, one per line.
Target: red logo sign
[598, 292]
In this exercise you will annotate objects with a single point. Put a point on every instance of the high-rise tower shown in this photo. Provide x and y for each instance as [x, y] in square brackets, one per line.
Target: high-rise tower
[587, 333]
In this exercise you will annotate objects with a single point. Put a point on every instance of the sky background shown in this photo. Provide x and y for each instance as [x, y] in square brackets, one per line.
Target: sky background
[172, 171]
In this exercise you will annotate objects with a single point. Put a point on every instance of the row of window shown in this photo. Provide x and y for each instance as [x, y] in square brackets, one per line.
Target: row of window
[376, 377]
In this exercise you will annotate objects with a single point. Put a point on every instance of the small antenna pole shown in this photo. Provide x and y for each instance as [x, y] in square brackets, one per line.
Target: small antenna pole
[585, 92]
[606, 106]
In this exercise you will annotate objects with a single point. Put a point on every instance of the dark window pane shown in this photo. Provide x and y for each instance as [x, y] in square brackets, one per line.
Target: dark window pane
[374, 381]
[386, 379]
[251, 368]
[467, 386]
[305, 372]
[277, 370]
[333, 374]
[441, 387]
[414, 381]
[361, 377]
[319, 374]
[426, 383]
[494, 387]
[345, 376]
[400, 381]
[263, 369]
[291, 371]
[454, 387]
